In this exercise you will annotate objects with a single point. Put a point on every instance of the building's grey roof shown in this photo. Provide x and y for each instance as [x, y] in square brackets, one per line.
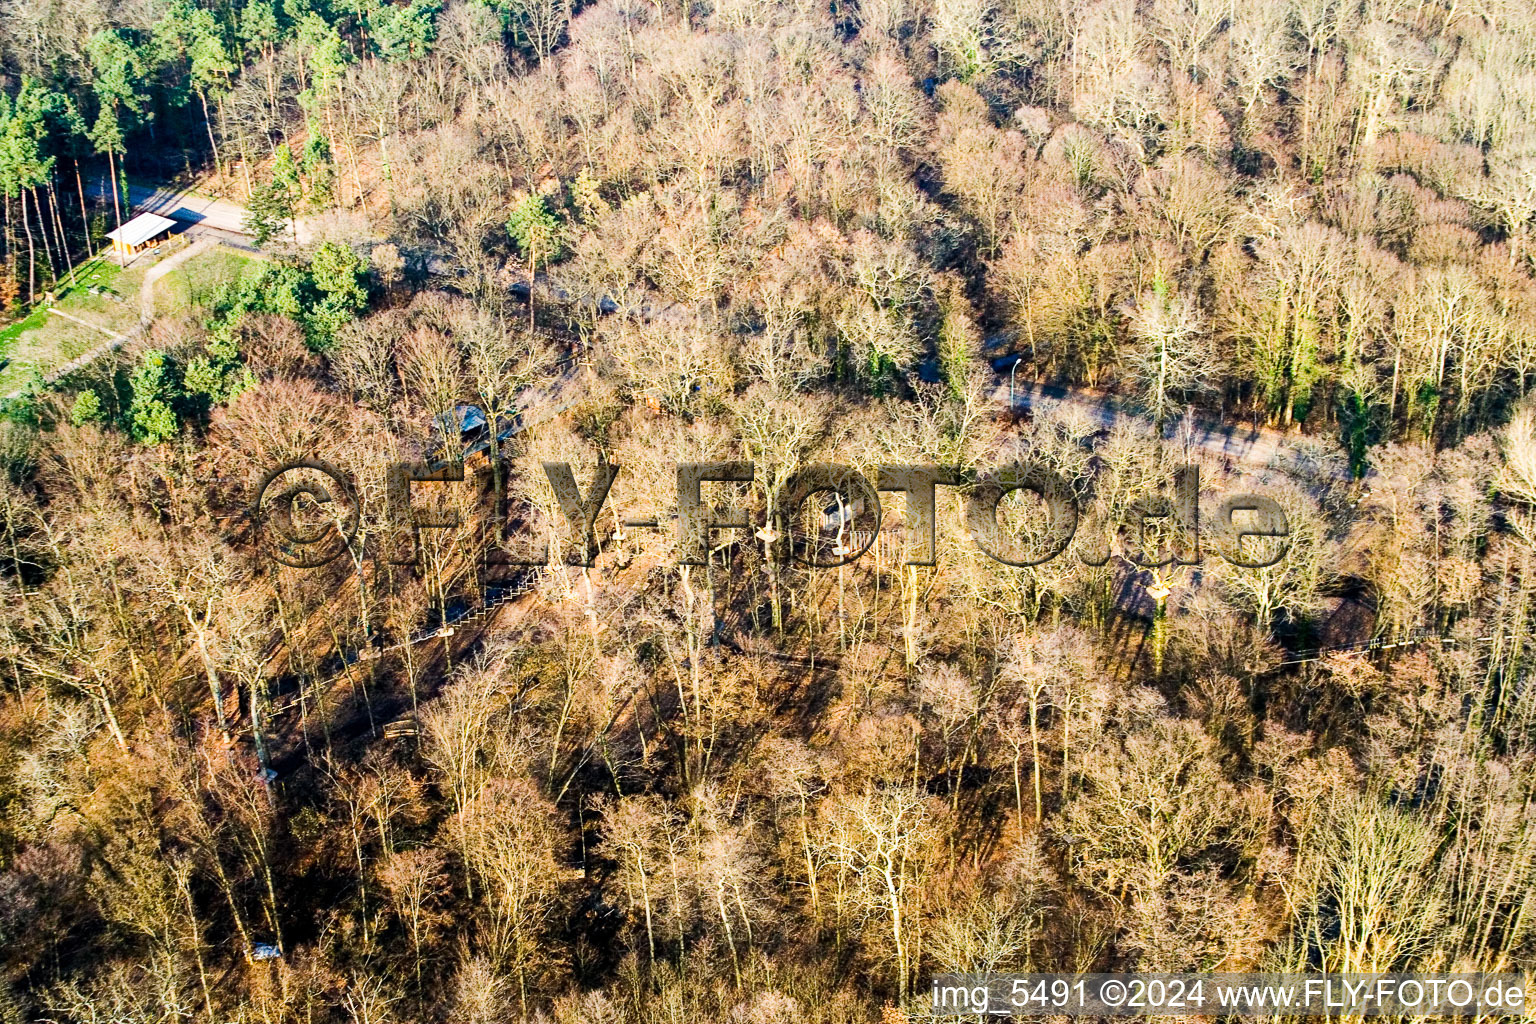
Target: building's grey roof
[141, 229]
[470, 417]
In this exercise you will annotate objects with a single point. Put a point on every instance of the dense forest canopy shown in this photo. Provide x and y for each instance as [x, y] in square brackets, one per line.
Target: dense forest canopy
[416, 785]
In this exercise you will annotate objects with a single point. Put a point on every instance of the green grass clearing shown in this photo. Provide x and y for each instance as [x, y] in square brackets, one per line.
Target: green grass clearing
[116, 304]
[42, 348]
[43, 341]
[173, 293]
[197, 281]
[31, 321]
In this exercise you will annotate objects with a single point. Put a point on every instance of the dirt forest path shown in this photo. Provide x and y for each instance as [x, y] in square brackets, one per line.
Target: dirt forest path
[1250, 447]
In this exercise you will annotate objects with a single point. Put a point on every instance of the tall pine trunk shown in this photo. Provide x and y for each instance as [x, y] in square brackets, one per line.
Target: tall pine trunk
[26, 223]
[42, 224]
[58, 221]
[245, 167]
[218, 165]
[85, 218]
[117, 208]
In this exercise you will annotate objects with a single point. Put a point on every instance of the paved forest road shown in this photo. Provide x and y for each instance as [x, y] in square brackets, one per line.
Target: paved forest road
[177, 205]
[199, 211]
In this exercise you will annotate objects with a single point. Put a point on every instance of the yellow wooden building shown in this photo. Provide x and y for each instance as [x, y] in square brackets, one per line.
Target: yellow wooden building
[143, 231]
